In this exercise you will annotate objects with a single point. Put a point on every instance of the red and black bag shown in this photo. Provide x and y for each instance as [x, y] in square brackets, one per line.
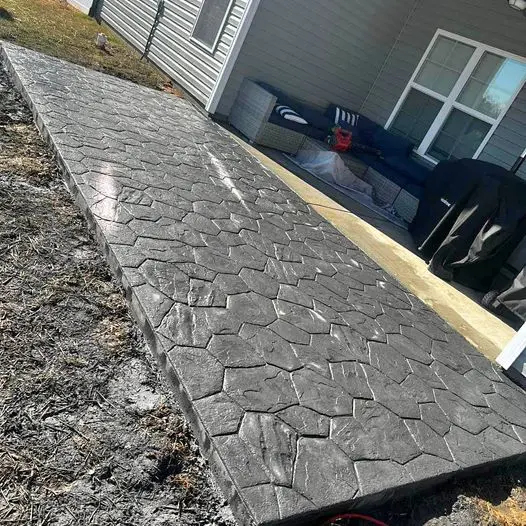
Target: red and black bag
[340, 140]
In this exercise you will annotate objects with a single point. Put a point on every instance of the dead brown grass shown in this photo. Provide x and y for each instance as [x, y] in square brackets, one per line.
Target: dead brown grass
[511, 512]
[55, 28]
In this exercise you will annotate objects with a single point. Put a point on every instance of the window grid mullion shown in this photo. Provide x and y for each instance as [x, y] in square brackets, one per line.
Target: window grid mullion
[434, 129]
[449, 102]
[473, 113]
[428, 91]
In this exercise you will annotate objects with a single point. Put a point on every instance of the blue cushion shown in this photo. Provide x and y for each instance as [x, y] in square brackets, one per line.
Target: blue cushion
[366, 131]
[402, 179]
[408, 167]
[367, 158]
[378, 164]
[314, 117]
[306, 129]
[415, 190]
[390, 173]
[390, 144]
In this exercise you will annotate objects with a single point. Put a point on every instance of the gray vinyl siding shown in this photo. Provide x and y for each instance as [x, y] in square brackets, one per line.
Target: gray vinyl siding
[318, 51]
[488, 21]
[193, 67]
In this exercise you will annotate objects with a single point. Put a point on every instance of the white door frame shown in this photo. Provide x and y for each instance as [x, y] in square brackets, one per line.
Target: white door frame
[514, 349]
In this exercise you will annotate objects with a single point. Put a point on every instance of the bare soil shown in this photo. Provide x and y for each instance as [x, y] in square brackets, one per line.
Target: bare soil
[496, 498]
[89, 433]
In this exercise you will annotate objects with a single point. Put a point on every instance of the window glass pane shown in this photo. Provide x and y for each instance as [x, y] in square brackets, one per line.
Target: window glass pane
[487, 67]
[210, 21]
[455, 123]
[428, 74]
[460, 137]
[444, 64]
[492, 84]
[442, 146]
[460, 56]
[445, 82]
[416, 116]
[441, 50]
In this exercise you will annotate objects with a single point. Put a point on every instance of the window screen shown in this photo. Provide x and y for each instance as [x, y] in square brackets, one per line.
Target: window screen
[210, 22]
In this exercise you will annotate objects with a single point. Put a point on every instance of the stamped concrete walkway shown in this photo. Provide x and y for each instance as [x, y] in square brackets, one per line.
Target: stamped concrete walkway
[314, 381]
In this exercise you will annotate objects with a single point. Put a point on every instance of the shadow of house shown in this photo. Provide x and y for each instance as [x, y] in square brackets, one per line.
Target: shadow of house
[6, 15]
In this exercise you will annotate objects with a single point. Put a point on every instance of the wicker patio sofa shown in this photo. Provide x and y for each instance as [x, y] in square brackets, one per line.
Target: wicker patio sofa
[396, 177]
[250, 115]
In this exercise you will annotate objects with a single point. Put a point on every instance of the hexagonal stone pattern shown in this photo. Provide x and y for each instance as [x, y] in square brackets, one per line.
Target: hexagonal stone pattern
[313, 380]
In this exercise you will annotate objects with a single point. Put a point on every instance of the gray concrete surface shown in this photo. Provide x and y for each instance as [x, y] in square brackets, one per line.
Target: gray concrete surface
[314, 381]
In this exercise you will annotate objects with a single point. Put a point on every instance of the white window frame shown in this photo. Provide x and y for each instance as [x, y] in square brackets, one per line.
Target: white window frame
[195, 40]
[450, 102]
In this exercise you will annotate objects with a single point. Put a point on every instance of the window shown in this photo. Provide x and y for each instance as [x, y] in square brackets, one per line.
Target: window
[416, 116]
[210, 21]
[457, 97]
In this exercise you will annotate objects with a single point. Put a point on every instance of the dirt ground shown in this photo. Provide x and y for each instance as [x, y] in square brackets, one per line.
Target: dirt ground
[89, 433]
[55, 28]
[497, 498]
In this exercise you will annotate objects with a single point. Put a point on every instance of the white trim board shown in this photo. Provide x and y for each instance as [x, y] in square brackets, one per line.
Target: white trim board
[480, 49]
[515, 348]
[82, 5]
[233, 53]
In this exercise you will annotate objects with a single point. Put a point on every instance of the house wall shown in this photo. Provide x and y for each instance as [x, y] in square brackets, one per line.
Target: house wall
[191, 66]
[491, 22]
[318, 51]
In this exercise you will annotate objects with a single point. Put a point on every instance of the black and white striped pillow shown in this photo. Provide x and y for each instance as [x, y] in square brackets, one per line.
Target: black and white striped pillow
[289, 114]
[346, 116]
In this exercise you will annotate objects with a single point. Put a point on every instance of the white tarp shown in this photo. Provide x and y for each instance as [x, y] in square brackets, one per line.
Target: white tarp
[330, 167]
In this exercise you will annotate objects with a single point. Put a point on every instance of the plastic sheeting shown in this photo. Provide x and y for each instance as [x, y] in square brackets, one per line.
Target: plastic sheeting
[330, 167]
